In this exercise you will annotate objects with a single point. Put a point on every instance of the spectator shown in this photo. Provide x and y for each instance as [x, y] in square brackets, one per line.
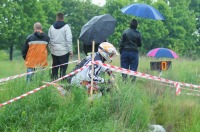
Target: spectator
[87, 48]
[34, 50]
[128, 47]
[60, 45]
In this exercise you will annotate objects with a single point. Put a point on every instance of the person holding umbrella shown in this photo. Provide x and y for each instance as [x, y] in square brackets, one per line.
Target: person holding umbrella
[128, 46]
[97, 29]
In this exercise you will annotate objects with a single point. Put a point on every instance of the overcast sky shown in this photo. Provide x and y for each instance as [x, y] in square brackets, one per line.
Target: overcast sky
[99, 2]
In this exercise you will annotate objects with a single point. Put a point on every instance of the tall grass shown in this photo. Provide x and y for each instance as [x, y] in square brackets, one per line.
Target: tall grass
[131, 108]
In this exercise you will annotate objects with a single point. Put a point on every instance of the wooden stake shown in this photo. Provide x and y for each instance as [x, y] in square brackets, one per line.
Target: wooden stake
[57, 87]
[78, 51]
[92, 76]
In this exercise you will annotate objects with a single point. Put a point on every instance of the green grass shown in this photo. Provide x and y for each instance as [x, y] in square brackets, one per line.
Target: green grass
[130, 109]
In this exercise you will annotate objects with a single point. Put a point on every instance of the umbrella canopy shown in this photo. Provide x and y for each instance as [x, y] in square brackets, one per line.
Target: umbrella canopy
[98, 29]
[143, 10]
[162, 53]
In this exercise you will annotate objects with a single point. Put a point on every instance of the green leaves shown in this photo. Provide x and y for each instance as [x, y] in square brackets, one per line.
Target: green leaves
[178, 30]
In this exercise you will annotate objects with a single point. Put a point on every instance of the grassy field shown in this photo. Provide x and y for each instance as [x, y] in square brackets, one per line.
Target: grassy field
[130, 109]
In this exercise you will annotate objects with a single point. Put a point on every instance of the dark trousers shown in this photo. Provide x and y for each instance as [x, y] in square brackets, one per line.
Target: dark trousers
[88, 48]
[129, 60]
[58, 60]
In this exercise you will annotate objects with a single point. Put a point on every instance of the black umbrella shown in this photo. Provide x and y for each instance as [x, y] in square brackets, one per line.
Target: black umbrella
[98, 29]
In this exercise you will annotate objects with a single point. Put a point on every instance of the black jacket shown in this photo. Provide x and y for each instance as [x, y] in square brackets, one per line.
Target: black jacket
[130, 41]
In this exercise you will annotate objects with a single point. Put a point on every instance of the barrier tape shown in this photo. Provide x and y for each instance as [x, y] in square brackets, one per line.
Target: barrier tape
[193, 94]
[178, 88]
[43, 86]
[24, 74]
[191, 89]
[147, 76]
[113, 68]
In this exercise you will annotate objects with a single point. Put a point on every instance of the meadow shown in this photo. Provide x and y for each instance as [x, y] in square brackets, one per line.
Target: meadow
[131, 109]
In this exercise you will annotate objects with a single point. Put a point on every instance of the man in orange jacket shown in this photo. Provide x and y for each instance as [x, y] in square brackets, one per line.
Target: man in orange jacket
[34, 50]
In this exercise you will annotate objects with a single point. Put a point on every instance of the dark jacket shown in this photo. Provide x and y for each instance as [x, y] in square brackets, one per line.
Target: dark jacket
[34, 50]
[87, 48]
[59, 24]
[130, 41]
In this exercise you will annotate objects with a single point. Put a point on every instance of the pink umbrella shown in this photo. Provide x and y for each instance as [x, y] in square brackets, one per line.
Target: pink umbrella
[162, 53]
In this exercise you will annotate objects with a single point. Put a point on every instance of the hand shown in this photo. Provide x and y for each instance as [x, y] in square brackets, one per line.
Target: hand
[70, 53]
[109, 72]
[102, 80]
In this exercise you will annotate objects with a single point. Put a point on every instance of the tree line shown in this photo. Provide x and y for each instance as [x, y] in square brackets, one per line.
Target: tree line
[179, 31]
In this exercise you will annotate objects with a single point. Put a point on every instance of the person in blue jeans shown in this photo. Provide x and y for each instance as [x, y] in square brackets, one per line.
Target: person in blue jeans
[34, 51]
[128, 46]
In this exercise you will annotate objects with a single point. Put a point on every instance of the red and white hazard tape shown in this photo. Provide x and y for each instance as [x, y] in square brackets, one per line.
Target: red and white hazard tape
[24, 74]
[193, 94]
[40, 88]
[113, 68]
[178, 88]
[143, 75]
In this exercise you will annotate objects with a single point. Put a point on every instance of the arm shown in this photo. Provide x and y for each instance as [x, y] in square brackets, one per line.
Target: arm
[49, 35]
[25, 48]
[69, 39]
[121, 43]
[139, 40]
[97, 70]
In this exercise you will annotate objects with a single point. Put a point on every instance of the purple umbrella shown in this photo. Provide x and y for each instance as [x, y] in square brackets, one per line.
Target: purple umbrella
[162, 53]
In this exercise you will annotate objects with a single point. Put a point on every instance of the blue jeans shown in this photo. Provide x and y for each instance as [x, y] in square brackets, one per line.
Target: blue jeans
[29, 76]
[129, 60]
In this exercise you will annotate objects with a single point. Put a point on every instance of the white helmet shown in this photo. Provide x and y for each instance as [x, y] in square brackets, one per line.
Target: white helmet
[107, 51]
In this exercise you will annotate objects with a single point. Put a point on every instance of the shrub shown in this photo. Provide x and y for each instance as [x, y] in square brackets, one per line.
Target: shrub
[3, 55]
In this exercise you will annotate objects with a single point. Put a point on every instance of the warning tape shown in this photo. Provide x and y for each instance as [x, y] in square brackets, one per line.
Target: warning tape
[40, 88]
[192, 94]
[24, 74]
[147, 76]
[178, 88]
[113, 68]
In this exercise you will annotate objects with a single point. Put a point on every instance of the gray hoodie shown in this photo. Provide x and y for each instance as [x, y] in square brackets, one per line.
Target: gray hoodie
[60, 38]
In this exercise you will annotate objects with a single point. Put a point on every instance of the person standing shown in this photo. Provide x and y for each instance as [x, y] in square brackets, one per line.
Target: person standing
[128, 46]
[87, 48]
[60, 45]
[34, 50]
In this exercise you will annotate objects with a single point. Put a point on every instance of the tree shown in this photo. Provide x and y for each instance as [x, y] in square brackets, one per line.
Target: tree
[2, 23]
[113, 7]
[50, 7]
[152, 31]
[182, 28]
[194, 6]
[78, 13]
[18, 19]
[10, 24]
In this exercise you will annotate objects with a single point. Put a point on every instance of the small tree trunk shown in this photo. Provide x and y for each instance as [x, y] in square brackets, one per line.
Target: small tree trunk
[11, 52]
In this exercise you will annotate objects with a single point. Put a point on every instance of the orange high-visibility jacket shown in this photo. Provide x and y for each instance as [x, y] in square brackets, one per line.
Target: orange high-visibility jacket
[35, 50]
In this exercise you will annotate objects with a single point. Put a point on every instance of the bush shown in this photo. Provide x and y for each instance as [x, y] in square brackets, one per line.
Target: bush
[3, 55]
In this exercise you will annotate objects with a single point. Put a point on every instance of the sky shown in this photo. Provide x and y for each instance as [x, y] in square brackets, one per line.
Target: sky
[99, 2]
